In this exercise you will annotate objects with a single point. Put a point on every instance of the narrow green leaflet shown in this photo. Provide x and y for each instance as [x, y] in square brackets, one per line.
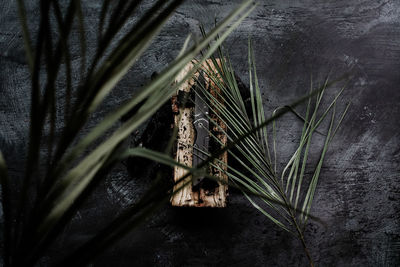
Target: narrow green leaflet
[71, 186]
[76, 164]
[258, 173]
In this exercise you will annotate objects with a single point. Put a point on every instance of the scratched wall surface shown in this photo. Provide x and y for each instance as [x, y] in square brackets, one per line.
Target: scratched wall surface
[358, 195]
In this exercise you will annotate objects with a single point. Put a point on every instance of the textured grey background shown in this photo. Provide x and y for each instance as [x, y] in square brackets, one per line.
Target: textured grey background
[359, 190]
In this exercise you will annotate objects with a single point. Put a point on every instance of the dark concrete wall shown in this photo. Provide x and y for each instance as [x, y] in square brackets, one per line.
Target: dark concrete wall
[358, 192]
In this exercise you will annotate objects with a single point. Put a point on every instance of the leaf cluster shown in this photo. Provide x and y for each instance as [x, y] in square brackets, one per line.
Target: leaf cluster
[53, 188]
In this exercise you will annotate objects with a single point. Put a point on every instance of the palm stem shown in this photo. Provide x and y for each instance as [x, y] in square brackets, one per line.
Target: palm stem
[301, 237]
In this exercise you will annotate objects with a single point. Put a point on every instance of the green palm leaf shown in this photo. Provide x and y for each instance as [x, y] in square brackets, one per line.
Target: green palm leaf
[78, 161]
[291, 188]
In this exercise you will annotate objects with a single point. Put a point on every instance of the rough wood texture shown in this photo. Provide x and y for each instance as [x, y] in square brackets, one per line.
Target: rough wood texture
[183, 118]
[359, 191]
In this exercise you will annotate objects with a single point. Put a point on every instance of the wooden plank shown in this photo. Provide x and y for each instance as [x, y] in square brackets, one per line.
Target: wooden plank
[204, 196]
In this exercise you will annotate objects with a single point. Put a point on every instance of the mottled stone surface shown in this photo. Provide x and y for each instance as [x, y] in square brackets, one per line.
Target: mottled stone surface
[359, 191]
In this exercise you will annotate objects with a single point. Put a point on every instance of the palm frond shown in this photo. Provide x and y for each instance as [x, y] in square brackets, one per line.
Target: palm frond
[252, 147]
[72, 172]
[80, 162]
[146, 110]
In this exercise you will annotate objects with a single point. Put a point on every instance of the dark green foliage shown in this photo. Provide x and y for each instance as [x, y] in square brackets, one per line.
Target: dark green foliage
[73, 167]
